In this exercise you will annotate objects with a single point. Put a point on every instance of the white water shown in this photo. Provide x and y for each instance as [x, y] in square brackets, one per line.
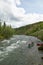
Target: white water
[20, 42]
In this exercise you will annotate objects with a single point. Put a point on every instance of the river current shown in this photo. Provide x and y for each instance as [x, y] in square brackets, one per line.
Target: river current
[15, 51]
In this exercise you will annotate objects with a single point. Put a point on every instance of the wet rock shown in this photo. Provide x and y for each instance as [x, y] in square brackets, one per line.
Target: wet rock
[42, 58]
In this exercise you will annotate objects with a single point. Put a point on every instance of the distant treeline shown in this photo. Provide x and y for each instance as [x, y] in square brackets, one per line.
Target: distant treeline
[35, 29]
[5, 31]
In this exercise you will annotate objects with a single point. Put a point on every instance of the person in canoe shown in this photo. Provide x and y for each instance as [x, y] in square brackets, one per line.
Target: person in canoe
[30, 45]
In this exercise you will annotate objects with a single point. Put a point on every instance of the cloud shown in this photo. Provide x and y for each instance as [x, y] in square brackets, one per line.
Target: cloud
[17, 16]
[18, 2]
[9, 7]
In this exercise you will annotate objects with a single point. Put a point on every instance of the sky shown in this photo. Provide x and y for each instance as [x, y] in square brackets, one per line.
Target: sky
[19, 13]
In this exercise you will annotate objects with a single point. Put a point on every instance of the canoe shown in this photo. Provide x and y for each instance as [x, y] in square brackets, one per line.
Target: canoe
[39, 44]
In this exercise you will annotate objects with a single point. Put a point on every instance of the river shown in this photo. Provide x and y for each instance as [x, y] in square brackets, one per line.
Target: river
[15, 51]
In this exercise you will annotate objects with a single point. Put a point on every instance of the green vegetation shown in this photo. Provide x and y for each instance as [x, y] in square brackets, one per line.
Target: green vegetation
[5, 31]
[35, 29]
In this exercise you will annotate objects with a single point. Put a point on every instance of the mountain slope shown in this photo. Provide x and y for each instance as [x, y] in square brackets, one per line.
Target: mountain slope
[35, 29]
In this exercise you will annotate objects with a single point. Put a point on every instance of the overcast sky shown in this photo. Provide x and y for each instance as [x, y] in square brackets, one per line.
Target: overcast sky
[21, 12]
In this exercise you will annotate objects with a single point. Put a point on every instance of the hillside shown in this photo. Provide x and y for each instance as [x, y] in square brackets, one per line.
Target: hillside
[35, 29]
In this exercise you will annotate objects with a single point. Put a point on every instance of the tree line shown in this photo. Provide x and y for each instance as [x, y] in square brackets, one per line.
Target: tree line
[5, 31]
